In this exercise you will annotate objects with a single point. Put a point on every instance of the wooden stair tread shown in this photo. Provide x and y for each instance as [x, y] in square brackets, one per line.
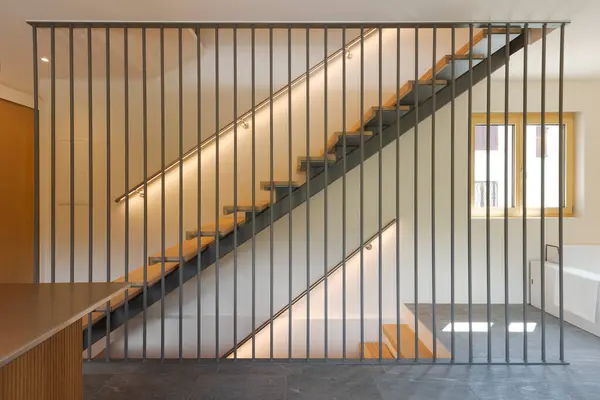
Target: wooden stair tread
[464, 50]
[246, 206]
[302, 160]
[371, 350]
[136, 275]
[226, 225]
[339, 137]
[425, 336]
[407, 341]
[484, 34]
[190, 248]
[267, 185]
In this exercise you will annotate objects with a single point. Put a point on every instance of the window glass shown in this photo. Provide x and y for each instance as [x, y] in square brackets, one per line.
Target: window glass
[498, 185]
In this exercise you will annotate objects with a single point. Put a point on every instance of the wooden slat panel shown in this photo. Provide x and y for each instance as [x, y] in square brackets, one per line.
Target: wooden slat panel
[52, 370]
[16, 202]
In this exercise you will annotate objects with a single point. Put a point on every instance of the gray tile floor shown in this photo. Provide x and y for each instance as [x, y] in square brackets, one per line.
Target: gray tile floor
[579, 380]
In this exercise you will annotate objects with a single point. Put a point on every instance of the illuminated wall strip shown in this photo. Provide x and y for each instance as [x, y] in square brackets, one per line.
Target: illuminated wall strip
[139, 188]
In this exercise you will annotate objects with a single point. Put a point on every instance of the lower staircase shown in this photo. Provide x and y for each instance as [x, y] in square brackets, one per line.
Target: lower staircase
[451, 77]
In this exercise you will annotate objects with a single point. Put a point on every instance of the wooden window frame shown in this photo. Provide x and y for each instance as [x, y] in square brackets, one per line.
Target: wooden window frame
[516, 119]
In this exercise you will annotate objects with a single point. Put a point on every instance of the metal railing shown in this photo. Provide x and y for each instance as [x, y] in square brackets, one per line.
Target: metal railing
[101, 91]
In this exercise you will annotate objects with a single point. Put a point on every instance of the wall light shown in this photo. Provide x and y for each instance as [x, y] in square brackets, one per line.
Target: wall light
[44, 59]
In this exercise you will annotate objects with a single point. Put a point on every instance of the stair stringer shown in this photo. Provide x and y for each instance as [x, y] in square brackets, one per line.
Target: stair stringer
[281, 208]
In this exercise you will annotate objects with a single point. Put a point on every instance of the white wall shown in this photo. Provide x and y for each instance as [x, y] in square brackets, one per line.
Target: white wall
[578, 96]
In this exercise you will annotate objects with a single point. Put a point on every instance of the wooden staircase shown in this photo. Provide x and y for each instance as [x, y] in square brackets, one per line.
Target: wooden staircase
[312, 166]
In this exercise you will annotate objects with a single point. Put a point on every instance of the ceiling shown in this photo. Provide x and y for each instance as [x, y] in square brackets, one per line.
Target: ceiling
[581, 44]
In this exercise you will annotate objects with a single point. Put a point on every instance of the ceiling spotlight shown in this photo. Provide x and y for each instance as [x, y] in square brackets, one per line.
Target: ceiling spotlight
[44, 59]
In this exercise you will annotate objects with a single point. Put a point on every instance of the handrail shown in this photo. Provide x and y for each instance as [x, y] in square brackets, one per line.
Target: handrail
[311, 287]
[138, 189]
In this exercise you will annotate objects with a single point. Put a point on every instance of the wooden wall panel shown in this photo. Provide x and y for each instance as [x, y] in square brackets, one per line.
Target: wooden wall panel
[16, 198]
[52, 370]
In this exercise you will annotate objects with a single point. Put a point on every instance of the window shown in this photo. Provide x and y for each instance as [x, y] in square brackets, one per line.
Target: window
[504, 179]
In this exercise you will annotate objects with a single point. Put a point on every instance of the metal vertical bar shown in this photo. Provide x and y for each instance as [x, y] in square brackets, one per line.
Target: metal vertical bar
[253, 90]
[524, 178]
[235, 199]
[469, 194]
[71, 158]
[308, 173]
[52, 154]
[126, 149]
[362, 195]
[416, 193]
[433, 102]
[90, 184]
[145, 171]
[162, 193]
[180, 291]
[36, 167]
[488, 258]
[452, 205]
[271, 215]
[398, 83]
[380, 194]
[326, 173]
[506, 199]
[218, 233]
[108, 180]
[199, 195]
[543, 197]
[344, 211]
[290, 243]
[561, 190]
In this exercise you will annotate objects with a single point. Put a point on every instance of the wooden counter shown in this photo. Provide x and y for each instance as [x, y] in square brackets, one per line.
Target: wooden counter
[41, 337]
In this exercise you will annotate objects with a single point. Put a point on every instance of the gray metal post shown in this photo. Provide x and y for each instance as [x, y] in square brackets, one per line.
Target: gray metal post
[235, 199]
[469, 195]
[52, 154]
[308, 173]
[145, 171]
[433, 288]
[416, 193]
[452, 202]
[561, 191]
[325, 215]
[362, 190]
[217, 211]
[126, 150]
[271, 215]
[180, 65]
[380, 196]
[290, 243]
[199, 195]
[253, 90]
[108, 183]
[524, 195]
[90, 183]
[543, 198]
[506, 199]
[162, 193]
[71, 159]
[36, 157]
[344, 194]
[488, 245]
[398, 280]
